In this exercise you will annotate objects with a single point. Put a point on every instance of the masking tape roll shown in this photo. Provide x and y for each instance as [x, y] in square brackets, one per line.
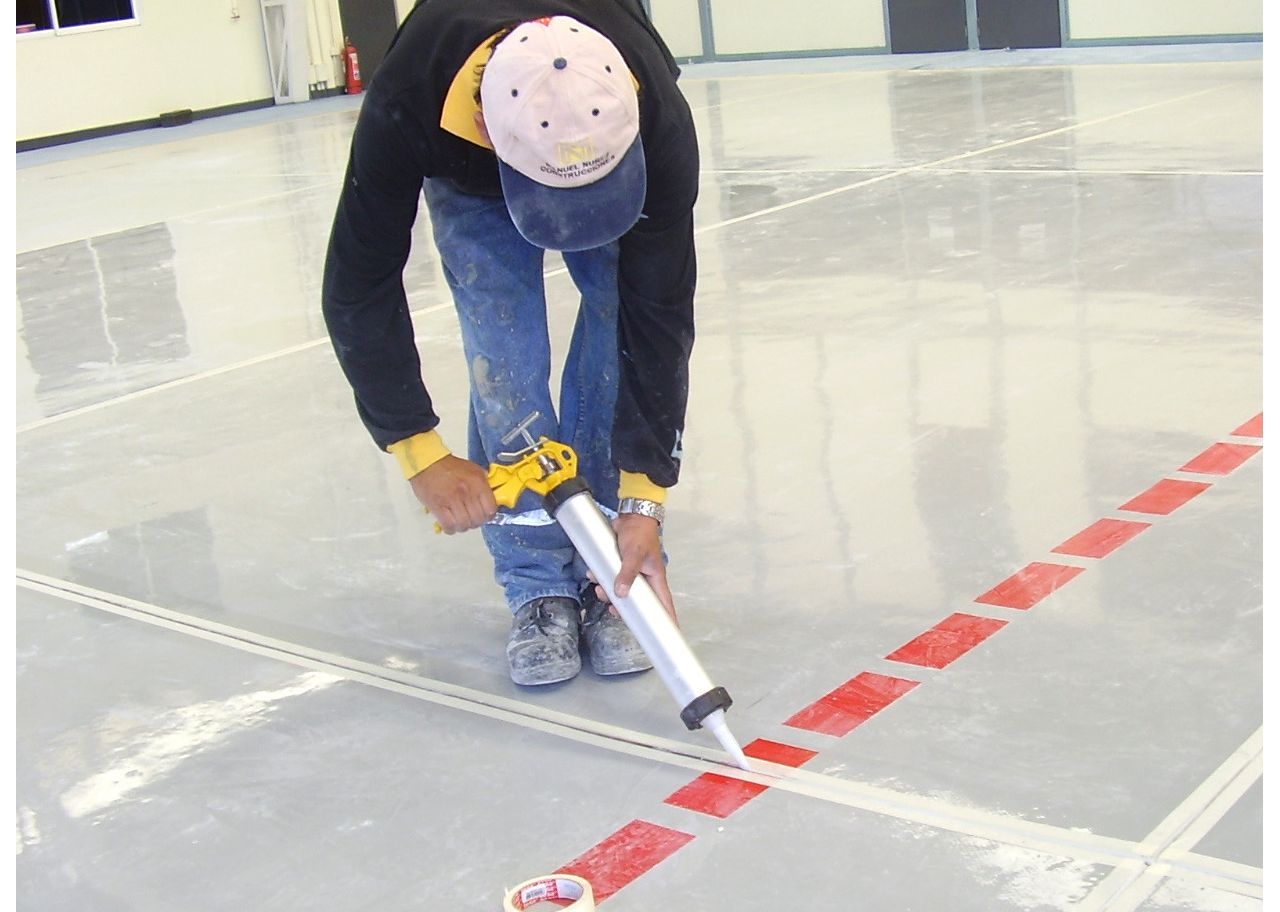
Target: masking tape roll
[552, 886]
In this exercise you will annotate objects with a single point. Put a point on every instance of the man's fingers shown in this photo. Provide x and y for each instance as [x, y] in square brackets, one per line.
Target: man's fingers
[626, 576]
[463, 517]
[479, 511]
[654, 574]
[457, 493]
[469, 510]
[658, 582]
[449, 523]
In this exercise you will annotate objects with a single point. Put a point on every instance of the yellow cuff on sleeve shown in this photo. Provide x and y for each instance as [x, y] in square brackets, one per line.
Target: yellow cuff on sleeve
[418, 452]
[637, 484]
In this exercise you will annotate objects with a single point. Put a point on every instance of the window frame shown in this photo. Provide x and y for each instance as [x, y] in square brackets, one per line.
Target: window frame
[58, 29]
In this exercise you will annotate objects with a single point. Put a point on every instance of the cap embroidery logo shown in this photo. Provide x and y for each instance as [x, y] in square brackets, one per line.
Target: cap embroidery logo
[573, 153]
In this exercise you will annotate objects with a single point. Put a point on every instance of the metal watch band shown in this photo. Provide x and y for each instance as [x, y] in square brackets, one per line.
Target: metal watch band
[650, 508]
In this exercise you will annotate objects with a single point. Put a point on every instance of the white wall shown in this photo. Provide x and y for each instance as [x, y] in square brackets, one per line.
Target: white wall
[195, 55]
[179, 55]
[763, 26]
[1093, 20]
[679, 25]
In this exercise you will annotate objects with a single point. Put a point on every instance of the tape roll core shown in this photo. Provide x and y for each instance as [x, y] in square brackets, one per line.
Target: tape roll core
[552, 886]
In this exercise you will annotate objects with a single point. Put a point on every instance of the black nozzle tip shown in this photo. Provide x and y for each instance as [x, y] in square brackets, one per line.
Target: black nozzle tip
[715, 698]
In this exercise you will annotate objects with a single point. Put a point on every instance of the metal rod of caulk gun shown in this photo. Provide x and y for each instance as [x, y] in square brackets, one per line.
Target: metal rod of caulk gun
[702, 704]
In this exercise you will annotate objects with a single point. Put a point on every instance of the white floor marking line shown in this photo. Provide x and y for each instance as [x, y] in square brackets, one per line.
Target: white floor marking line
[423, 688]
[1127, 887]
[1209, 803]
[1232, 876]
[880, 177]
[333, 181]
[1225, 786]
[171, 384]
[1050, 172]
[213, 372]
[1104, 172]
[968, 822]
[784, 171]
[269, 197]
[928, 166]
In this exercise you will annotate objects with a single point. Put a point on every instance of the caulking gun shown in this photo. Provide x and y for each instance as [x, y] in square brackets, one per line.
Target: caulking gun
[551, 469]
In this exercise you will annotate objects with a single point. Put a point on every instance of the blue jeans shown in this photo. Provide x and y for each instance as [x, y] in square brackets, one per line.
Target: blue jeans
[496, 279]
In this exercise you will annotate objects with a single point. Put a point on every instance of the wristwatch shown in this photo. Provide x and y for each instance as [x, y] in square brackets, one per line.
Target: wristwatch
[650, 508]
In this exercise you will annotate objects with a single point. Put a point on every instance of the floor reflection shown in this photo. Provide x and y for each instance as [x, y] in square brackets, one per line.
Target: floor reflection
[97, 317]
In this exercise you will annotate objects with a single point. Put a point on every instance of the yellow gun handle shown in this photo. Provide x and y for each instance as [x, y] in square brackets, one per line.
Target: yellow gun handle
[541, 468]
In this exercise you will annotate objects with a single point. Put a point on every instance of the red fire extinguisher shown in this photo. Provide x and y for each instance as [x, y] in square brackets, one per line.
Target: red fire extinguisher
[352, 62]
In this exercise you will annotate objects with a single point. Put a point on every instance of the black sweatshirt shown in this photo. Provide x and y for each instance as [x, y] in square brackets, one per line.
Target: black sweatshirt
[398, 142]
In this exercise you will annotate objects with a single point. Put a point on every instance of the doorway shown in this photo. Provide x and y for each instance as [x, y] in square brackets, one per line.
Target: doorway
[922, 26]
[369, 25]
[1019, 24]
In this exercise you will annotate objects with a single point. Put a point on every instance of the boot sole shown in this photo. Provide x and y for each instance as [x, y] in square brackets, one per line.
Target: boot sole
[618, 668]
[546, 676]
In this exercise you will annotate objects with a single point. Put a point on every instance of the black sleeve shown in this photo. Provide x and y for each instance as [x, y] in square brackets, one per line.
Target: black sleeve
[636, 9]
[657, 273]
[364, 302]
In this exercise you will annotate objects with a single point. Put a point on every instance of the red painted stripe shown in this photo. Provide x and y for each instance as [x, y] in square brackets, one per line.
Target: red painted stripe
[777, 752]
[1165, 496]
[640, 846]
[1103, 537]
[720, 796]
[1251, 428]
[943, 644]
[1221, 458]
[617, 861]
[714, 794]
[1029, 585]
[849, 705]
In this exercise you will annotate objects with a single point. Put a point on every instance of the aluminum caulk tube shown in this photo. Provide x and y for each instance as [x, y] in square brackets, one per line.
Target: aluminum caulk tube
[702, 704]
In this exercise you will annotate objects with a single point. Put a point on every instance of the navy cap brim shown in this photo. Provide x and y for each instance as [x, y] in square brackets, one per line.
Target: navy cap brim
[577, 218]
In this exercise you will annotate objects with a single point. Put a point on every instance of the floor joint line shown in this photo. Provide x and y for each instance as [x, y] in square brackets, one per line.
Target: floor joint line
[969, 822]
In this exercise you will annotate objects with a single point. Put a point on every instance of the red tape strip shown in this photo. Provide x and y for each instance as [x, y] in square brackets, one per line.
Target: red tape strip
[1029, 585]
[1221, 458]
[1165, 496]
[631, 851]
[1103, 537]
[639, 846]
[719, 796]
[946, 642]
[1251, 428]
[714, 794]
[849, 705]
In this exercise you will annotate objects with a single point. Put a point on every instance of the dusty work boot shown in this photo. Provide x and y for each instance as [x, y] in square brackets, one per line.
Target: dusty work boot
[611, 646]
[543, 646]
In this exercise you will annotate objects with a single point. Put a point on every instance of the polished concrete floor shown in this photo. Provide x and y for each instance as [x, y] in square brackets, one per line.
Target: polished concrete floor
[970, 524]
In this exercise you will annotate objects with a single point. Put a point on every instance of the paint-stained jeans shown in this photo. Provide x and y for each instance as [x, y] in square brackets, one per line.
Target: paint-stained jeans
[497, 281]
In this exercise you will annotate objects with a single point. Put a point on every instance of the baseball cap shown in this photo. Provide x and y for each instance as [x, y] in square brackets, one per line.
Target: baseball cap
[561, 109]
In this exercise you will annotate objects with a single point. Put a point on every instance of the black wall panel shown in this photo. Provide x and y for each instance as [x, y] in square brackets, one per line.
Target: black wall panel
[370, 24]
[917, 26]
[1019, 24]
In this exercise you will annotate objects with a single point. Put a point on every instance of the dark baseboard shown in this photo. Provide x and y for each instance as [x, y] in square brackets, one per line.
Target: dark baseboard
[172, 118]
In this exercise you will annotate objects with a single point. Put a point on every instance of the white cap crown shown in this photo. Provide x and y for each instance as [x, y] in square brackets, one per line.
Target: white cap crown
[559, 103]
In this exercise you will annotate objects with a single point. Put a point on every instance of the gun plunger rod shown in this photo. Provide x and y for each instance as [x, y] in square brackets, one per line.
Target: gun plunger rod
[702, 704]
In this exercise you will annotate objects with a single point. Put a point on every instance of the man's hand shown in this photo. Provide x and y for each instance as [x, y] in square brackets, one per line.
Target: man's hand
[456, 492]
[641, 551]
